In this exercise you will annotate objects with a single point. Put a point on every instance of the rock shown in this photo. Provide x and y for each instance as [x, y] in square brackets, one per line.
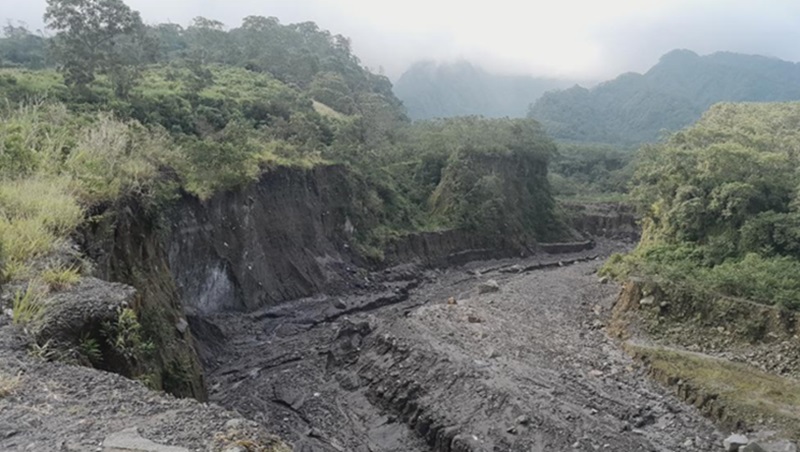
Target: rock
[603, 280]
[182, 325]
[596, 373]
[86, 306]
[752, 447]
[523, 420]
[647, 301]
[451, 301]
[472, 318]
[235, 449]
[489, 287]
[130, 440]
[339, 304]
[779, 446]
[732, 443]
[234, 424]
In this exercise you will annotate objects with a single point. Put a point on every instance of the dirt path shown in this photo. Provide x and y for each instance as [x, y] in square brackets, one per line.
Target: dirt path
[527, 368]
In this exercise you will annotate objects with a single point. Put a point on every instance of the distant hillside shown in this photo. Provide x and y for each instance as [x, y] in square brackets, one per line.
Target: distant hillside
[432, 90]
[636, 108]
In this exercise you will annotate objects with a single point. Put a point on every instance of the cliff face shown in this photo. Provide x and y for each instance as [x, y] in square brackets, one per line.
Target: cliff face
[282, 238]
[126, 246]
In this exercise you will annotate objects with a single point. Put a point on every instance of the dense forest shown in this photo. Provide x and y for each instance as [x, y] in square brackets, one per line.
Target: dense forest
[442, 90]
[638, 108]
[720, 204]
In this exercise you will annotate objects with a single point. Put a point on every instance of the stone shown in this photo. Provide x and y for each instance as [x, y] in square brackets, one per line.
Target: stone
[603, 280]
[471, 318]
[489, 287]
[182, 325]
[596, 373]
[647, 301]
[339, 304]
[779, 446]
[234, 449]
[733, 442]
[523, 420]
[752, 447]
[234, 424]
[130, 440]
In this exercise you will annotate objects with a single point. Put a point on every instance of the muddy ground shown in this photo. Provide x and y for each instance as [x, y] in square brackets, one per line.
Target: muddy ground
[427, 362]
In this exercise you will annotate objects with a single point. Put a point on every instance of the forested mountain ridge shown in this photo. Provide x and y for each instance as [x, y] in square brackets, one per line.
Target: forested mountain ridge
[439, 90]
[636, 108]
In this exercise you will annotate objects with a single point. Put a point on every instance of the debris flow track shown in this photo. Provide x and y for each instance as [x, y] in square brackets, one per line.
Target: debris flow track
[447, 360]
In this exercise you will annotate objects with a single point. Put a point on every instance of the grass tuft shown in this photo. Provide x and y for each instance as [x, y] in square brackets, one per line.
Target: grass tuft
[27, 305]
[8, 385]
[60, 278]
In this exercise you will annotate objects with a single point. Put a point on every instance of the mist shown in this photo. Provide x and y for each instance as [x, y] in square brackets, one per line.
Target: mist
[577, 39]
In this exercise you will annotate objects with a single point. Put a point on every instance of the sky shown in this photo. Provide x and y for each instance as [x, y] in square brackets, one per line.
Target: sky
[577, 39]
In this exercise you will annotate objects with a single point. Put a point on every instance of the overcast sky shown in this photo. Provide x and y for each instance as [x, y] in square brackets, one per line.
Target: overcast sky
[585, 39]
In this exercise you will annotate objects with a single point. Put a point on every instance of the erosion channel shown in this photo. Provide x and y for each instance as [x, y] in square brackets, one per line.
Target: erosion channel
[445, 360]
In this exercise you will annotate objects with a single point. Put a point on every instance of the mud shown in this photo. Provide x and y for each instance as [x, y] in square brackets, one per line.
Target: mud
[423, 362]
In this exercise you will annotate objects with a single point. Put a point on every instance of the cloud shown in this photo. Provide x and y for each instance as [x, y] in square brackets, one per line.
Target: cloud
[574, 38]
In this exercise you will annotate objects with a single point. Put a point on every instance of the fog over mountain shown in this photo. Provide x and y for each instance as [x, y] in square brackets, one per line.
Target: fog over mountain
[580, 39]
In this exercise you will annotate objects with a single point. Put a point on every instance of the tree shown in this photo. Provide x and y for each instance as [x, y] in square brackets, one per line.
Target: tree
[97, 36]
[20, 47]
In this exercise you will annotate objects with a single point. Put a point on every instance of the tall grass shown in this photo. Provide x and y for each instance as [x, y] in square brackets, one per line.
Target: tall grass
[36, 215]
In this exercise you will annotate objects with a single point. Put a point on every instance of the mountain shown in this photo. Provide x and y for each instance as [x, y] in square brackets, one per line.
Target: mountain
[636, 108]
[437, 90]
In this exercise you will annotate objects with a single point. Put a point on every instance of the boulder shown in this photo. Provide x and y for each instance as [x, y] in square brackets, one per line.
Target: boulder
[489, 287]
[130, 440]
[779, 446]
[647, 301]
[752, 447]
[69, 314]
[733, 442]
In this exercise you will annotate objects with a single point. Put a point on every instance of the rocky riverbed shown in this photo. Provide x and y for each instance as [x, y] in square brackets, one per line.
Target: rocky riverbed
[494, 355]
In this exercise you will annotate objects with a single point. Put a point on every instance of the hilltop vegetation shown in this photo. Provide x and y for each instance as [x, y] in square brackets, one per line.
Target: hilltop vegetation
[637, 108]
[721, 207]
[434, 90]
[163, 110]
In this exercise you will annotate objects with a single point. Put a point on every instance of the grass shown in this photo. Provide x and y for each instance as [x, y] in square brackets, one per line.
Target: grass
[733, 393]
[325, 110]
[60, 278]
[8, 385]
[36, 214]
[27, 305]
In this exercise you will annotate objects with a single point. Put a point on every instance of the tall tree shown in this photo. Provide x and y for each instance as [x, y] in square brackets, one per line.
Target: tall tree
[97, 36]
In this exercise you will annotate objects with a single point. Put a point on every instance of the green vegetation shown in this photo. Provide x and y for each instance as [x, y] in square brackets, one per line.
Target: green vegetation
[430, 90]
[720, 205]
[124, 336]
[637, 108]
[27, 305]
[733, 393]
[60, 278]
